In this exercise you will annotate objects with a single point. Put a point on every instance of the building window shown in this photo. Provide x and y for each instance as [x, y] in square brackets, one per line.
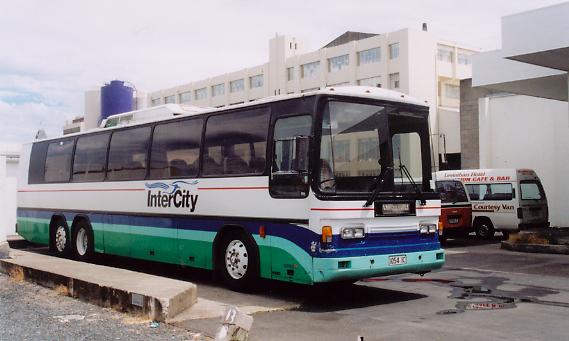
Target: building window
[338, 63]
[394, 80]
[290, 73]
[200, 94]
[393, 50]
[372, 81]
[186, 97]
[309, 70]
[170, 99]
[463, 59]
[452, 91]
[445, 55]
[156, 101]
[237, 85]
[368, 149]
[256, 81]
[218, 90]
[369, 56]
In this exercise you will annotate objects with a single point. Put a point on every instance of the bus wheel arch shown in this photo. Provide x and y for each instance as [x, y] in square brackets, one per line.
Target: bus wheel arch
[59, 235]
[484, 228]
[227, 252]
[83, 239]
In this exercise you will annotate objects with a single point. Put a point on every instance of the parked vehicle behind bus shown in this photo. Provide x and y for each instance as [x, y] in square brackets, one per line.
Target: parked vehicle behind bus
[505, 200]
[300, 188]
[456, 209]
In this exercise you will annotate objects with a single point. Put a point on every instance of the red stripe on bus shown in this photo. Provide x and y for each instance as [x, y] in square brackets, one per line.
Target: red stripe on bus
[82, 190]
[228, 188]
[427, 207]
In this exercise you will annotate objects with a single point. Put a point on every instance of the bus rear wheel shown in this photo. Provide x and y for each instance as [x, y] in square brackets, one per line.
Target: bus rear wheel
[238, 261]
[83, 245]
[484, 229]
[60, 238]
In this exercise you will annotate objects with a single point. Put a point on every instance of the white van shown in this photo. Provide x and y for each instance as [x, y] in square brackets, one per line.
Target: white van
[506, 200]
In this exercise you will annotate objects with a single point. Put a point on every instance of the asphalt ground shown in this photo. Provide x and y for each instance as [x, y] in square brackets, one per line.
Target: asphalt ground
[481, 293]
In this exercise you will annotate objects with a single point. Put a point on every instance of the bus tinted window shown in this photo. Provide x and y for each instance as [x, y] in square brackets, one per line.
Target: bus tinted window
[490, 192]
[58, 161]
[37, 163]
[127, 154]
[235, 143]
[176, 149]
[90, 158]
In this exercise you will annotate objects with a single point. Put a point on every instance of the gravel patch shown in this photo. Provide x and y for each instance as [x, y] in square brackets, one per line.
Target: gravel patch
[31, 312]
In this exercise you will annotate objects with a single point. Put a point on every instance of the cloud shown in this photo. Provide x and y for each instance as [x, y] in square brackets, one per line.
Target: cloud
[53, 51]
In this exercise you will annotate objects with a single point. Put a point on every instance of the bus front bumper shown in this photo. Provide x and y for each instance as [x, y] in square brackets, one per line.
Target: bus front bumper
[355, 268]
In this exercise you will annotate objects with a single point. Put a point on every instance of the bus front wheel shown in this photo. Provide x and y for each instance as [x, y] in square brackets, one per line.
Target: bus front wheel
[238, 261]
[83, 245]
[484, 229]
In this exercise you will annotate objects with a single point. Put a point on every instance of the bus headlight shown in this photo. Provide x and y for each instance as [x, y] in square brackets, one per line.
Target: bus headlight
[352, 232]
[427, 228]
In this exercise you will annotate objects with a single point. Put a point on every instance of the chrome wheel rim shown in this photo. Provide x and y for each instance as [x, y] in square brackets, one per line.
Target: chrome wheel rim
[60, 238]
[236, 259]
[82, 242]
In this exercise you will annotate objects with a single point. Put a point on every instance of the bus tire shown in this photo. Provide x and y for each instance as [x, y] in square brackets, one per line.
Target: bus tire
[60, 240]
[238, 261]
[484, 229]
[83, 243]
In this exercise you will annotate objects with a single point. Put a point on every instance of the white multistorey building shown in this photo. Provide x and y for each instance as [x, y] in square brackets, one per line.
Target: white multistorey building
[411, 61]
[521, 108]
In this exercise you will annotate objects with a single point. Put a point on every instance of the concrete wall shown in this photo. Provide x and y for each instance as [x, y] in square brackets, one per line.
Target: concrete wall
[9, 154]
[528, 132]
[469, 128]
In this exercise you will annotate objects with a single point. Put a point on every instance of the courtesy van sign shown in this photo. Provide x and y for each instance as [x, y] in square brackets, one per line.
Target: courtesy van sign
[477, 176]
[179, 194]
[492, 208]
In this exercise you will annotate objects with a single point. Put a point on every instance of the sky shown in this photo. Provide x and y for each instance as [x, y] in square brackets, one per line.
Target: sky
[51, 52]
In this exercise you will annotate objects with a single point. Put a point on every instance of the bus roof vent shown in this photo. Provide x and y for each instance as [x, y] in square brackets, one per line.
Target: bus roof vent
[150, 114]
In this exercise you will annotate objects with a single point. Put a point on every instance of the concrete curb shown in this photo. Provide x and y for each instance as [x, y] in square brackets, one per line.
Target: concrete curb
[171, 297]
[536, 248]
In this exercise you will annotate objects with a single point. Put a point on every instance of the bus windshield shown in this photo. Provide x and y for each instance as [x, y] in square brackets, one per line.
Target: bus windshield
[359, 140]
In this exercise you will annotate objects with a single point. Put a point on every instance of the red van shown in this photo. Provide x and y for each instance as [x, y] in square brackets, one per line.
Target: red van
[456, 209]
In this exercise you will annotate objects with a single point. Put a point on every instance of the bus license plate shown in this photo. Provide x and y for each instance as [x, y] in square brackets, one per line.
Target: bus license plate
[397, 260]
[453, 220]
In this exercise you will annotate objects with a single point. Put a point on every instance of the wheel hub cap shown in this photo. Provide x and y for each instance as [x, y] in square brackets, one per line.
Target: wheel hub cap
[60, 238]
[236, 259]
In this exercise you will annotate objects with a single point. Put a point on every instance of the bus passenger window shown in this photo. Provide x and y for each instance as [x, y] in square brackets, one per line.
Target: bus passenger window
[127, 154]
[176, 149]
[90, 158]
[235, 143]
[58, 161]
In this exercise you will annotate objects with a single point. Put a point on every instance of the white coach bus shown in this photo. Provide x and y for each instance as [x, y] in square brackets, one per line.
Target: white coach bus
[505, 200]
[299, 188]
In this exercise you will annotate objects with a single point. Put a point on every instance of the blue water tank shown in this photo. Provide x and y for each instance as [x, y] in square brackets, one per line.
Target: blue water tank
[116, 98]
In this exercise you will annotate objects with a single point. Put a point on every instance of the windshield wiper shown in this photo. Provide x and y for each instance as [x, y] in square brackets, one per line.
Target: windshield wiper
[405, 171]
[378, 184]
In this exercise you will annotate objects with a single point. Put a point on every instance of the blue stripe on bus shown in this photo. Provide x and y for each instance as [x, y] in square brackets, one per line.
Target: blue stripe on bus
[374, 244]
